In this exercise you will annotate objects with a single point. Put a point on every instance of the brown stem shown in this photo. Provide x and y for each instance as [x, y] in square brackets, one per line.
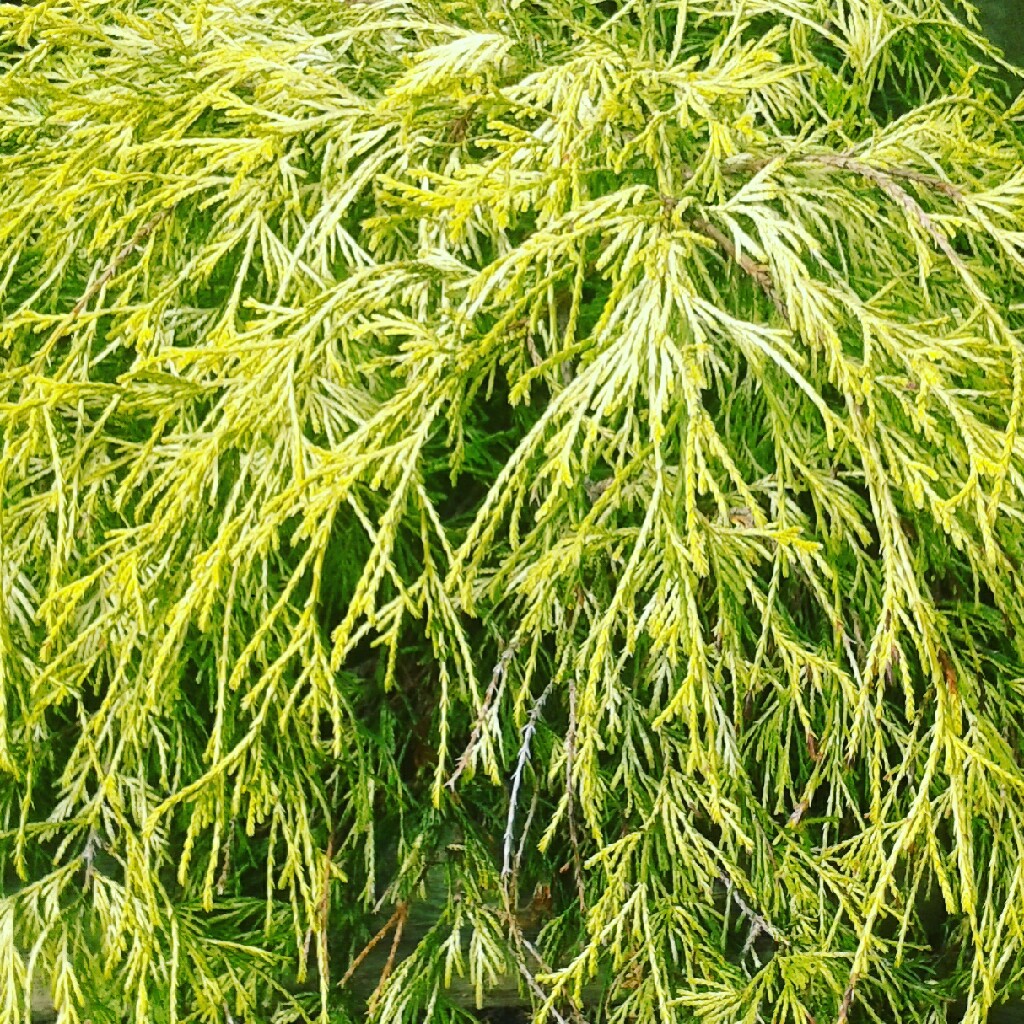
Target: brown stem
[884, 180]
[756, 271]
[401, 912]
[143, 232]
[847, 1002]
[748, 162]
[399, 915]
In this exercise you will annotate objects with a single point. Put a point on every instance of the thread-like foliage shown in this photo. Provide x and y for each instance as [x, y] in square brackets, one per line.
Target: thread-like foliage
[458, 449]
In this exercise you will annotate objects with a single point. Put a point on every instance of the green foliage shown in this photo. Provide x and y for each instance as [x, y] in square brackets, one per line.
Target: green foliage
[460, 449]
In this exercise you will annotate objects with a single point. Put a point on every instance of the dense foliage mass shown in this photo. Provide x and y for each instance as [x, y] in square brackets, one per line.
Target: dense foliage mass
[532, 490]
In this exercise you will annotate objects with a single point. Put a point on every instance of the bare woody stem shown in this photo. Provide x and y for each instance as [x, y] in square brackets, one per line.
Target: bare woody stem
[524, 756]
[756, 271]
[847, 1000]
[141, 234]
[399, 915]
[885, 180]
[497, 678]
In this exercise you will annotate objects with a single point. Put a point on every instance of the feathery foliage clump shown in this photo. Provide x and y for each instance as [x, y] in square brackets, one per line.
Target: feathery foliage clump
[454, 450]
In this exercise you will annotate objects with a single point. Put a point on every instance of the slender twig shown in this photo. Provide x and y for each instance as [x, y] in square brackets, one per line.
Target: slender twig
[497, 677]
[322, 907]
[510, 870]
[749, 162]
[398, 915]
[424, 868]
[143, 232]
[403, 912]
[759, 921]
[535, 988]
[759, 924]
[325, 904]
[532, 950]
[847, 1002]
[947, 188]
[524, 756]
[92, 843]
[851, 163]
[521, 943]
[514, 885]
[756, 271]
[570, 810]
[225, 870]
[108, 272]
[542, 964]
[884, 180]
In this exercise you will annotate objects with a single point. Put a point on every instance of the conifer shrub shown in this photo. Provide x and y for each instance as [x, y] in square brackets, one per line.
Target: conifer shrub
[509, 497]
